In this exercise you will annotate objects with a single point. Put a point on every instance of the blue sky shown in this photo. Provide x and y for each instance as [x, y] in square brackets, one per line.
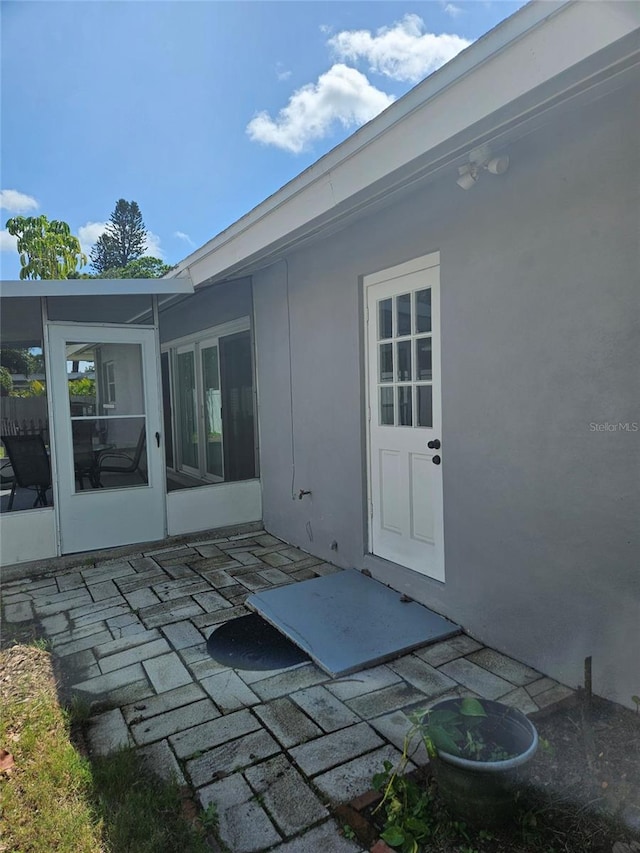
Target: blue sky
[198, 110]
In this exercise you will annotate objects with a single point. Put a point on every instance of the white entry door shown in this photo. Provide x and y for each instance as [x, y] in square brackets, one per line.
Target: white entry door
[404, 415]
[109, 466]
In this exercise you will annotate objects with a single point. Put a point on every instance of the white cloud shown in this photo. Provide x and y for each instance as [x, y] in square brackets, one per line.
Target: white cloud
[182, 236]
[282, 73]
[153, 249]
[404, 52]
[453, 10]
[341, 95]
[17, 202]
[89, 233]
[8, 243]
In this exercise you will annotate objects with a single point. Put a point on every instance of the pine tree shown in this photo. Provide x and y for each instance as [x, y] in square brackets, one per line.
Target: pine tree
[124, 239]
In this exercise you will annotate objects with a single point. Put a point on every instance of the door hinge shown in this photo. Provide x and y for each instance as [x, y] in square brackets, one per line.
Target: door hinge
[370, 509]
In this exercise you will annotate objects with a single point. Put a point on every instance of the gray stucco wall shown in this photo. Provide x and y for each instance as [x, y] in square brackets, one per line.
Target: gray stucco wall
[540, 327]
[210, 306]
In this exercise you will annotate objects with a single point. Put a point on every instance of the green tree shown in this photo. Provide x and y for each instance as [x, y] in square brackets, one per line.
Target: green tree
[145, 267]
[124, 239]
[47, 249]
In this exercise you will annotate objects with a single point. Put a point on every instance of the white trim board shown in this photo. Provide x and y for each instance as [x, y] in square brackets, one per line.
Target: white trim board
[97, 287]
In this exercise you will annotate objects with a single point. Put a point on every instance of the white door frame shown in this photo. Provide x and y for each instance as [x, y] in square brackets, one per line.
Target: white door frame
[145, 518]
[421, 554]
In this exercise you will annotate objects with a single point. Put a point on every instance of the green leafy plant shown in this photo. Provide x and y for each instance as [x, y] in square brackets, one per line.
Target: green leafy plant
[459, 732]
[407, 808]
[348, 832]
[210, 817]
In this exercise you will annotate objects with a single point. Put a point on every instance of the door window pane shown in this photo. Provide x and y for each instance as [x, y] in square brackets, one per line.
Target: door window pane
[404, 361]
[423, 311]
[423, 359]
[386, 407]
[109, 453]
[107, 410]
[404, 405]
[385, 319]
[188, 427]
[425, 406]
[386, 362]
[212, 410]
[403, 308]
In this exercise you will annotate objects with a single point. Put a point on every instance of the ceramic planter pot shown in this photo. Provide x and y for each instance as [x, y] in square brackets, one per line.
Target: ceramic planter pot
[483, 792]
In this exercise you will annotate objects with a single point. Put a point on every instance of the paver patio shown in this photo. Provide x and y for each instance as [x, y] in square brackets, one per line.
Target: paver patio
[273, 749]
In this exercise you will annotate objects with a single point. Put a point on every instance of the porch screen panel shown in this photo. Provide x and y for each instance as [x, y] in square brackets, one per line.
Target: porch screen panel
[212, 411]
[166, 409]
[107, 412]
[186, 388]
[237, 406]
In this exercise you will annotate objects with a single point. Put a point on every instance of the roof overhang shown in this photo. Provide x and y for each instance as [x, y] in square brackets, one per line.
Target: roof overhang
[98, 286]
[520, 66]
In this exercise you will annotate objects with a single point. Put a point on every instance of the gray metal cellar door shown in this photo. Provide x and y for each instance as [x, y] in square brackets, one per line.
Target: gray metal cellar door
[347, 621]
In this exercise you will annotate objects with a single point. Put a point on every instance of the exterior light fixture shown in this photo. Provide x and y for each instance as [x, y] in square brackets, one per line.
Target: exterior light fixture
[498, 165]
[480, 158]
[468, 176]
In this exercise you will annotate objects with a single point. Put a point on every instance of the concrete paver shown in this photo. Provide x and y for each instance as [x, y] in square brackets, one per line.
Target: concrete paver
[348, 780]
[181, 635]
[328, 751]
[213, 732]
[520, 699]
[159, 758]
[423, 676]
[260, 744]
[155, 705]
[321, 839]
[508, 668]
[247, 829]
[392, 698]
[291, 804]
[367, 681]
[102, 590]
[182, 719]
[229, 691]
[480, 680]
[555, 694]
[90, 640]
[396, 728]
[288, 682]
[325, 709]
[143, 597]
[138, 653]
[167, 671]
[231, 756]
[286, 722]
[108, 732]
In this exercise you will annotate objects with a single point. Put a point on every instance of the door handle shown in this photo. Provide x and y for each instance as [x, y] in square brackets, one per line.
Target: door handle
[158, 439]
[436, 459]
[434, 445]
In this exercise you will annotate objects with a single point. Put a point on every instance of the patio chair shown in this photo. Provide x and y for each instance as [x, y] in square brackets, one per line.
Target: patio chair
[85, 458]
[30, 463]
[120, 462]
